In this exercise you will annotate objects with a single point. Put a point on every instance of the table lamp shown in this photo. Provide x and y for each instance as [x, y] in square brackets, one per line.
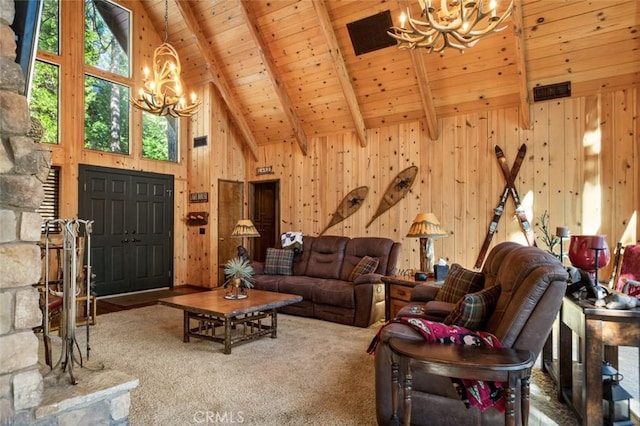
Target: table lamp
[244, 228]
[562, 232]
[426, 227]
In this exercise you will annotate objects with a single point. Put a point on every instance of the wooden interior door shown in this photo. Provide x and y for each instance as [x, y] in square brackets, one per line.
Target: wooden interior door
[265, 212]
[230, 210]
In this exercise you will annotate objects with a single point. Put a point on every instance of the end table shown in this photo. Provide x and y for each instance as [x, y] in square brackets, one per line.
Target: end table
[397, 292]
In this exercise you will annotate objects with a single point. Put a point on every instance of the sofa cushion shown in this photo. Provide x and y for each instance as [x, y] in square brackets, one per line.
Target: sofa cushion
[327, 254]
[266, 282]
[302, 286]
[334, 293]
[473, 310]
[366, 266]
[278, 262]
[301, 260]
[459, 281]
[359, 247]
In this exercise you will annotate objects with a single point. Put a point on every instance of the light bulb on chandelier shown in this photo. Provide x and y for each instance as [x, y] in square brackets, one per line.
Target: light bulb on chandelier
[457, 24]
[162, 94]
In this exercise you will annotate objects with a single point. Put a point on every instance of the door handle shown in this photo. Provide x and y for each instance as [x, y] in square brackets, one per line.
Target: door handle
[124, 241]
[133, 240]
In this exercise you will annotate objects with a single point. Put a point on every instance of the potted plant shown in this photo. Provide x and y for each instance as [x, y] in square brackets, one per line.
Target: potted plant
[239, 275]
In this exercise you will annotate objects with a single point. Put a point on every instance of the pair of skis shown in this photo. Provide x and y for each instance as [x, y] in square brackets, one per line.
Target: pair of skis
[509, 189]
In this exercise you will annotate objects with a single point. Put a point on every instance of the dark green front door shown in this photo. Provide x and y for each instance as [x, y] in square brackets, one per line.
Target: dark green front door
[132, 235]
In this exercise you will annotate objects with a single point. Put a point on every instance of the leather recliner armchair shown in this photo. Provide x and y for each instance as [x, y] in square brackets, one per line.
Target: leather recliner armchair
[533, 284]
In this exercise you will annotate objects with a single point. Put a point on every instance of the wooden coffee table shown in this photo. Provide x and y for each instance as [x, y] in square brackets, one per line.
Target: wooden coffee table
[230, 322]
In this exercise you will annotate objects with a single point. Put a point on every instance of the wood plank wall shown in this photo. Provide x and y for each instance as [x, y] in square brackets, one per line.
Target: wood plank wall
[581, 167]
[70, 152]
[221, 158]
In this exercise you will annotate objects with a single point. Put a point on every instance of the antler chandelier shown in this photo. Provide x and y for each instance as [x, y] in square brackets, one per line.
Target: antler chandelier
[163, 95]
[455, 24]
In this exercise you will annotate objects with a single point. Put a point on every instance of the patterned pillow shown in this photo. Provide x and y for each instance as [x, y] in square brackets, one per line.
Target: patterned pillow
[473, 310]
[459, 281]
[366, 266]
[278, 262]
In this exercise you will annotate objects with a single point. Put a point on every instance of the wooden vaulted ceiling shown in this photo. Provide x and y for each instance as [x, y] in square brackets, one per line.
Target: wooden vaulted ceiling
[288, 72]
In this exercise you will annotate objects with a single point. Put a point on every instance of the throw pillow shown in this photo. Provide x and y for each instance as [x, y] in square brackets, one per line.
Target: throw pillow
[459, 281]
[366, 266]
[473, 310]
[278, 262]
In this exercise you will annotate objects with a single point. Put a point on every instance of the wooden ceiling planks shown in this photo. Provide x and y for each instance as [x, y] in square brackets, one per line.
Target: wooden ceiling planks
[593, 44]
[265, 55]
[218, 77]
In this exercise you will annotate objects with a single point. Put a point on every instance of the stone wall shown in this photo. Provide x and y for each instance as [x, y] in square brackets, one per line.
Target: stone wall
[25, 398]
[24, 165]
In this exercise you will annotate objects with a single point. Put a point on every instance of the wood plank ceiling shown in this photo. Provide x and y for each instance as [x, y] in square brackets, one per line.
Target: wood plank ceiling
[287, 68]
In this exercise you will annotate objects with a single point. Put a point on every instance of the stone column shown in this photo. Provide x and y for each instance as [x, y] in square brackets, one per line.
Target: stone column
[24, 165]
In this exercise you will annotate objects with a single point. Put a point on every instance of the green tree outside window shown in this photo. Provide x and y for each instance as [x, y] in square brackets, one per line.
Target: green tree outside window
[48, 39]
[159, 137]
[106, 37]
[106, 45]
[106, 115]
[44, 102]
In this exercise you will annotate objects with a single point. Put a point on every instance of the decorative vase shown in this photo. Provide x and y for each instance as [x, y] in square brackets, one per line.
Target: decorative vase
[582, 252]
[237, 290]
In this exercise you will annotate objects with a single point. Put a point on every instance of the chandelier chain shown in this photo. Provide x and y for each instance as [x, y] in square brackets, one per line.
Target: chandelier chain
[166, 21]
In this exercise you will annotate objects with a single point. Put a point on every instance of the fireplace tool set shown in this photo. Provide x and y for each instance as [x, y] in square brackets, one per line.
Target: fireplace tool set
[76, 279]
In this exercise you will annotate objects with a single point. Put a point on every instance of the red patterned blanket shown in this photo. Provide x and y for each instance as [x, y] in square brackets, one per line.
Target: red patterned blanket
[474, 393]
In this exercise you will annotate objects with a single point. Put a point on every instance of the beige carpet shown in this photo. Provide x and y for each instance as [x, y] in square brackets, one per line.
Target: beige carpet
[314, 373]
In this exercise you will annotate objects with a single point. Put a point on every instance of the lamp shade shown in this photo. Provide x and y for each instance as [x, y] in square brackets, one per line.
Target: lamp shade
[244, 228]
[426, 225]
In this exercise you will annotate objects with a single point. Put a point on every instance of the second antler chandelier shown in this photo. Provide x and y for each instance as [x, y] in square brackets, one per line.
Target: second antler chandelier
[457, 24]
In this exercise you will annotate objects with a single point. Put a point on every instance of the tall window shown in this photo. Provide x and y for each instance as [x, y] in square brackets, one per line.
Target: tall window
[106, 115]
[49, 37]
[106, 37]
[107, 82]
[44, 98]
[159, 137]
[107, 109]
[44, 101]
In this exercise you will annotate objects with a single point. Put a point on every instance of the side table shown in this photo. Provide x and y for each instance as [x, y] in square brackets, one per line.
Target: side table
[397, 292]
[482, 363]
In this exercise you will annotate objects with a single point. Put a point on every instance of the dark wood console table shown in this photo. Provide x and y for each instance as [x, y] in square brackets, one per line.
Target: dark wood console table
[600, 332]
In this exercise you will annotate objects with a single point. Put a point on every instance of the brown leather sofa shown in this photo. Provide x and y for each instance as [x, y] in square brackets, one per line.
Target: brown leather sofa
[533, 284]
[320, 274]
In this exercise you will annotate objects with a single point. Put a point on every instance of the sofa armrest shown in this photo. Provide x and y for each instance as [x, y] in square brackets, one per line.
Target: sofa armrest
[424, 293]
[368, 279]
[258, 268]
[432, 311]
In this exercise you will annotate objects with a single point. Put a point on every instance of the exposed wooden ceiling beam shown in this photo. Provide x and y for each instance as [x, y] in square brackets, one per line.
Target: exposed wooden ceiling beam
[425, 94]
[218, 78]
[270, 66]
[423, 85]
[518, 31]
[341, 70]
